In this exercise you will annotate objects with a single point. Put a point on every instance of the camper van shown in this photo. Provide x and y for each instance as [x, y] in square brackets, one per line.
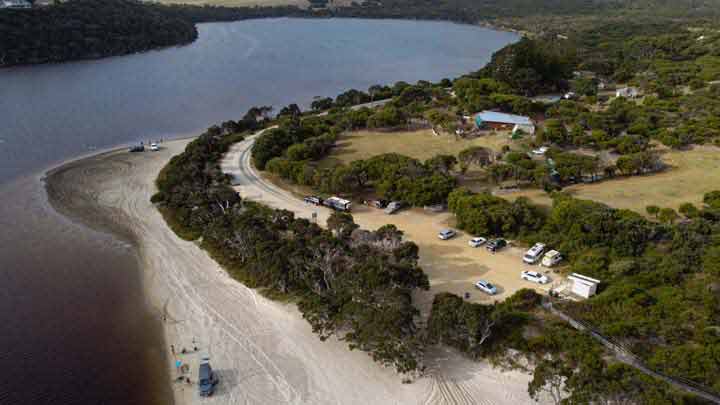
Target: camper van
[338, 204]
[551, 258]
[207, 380]
[534, 253]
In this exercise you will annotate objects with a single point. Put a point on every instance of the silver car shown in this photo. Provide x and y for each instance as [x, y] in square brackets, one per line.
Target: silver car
[486, 287]
[446, 234]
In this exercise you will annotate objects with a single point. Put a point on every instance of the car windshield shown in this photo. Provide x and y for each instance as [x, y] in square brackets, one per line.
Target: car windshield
[488, 285]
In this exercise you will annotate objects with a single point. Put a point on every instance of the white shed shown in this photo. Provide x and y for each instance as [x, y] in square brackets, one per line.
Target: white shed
[583, 286]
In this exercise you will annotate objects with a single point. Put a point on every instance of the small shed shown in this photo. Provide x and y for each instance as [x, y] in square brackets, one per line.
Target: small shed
[583, 286]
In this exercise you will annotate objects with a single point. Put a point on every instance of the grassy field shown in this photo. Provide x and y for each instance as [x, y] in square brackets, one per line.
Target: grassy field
[691, 174]
[417, 144]
[239, 3]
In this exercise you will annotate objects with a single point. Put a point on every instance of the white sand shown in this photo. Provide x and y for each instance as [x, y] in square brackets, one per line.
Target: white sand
[263, 351]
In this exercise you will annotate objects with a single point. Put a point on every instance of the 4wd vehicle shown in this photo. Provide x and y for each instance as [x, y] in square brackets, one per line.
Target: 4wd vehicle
[137, 148]
[534, 276]
[207, 380]
[477, 241]
[311, 199]
[446, 234]
[486, 287]
[154, 147]
[496, 244]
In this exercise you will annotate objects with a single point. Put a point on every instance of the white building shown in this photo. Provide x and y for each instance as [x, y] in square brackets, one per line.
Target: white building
[583, 286]
[627, 92]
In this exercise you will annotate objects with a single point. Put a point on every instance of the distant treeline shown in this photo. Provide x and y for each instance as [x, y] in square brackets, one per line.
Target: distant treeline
[87, 29]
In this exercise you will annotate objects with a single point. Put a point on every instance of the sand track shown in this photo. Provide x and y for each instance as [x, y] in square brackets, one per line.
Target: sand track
[264, 352]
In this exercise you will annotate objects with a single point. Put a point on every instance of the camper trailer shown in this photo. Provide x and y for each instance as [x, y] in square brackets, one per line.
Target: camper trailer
[551, 258]
[338, 204]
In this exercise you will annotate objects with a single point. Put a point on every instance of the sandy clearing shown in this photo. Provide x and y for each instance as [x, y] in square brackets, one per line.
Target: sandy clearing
[451, 265]
[263, 351]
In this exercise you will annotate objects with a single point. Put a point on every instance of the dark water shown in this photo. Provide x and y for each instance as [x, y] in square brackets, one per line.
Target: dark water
[75, 329]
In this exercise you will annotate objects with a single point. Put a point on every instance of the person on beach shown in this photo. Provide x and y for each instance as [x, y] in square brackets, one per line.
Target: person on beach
[172, 349]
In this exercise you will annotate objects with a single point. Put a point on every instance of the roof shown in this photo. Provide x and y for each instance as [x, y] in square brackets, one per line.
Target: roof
[552, 253]
[493, 116]
[583, 279]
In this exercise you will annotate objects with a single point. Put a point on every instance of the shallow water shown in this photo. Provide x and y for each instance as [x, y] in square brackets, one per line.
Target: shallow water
[76, 329]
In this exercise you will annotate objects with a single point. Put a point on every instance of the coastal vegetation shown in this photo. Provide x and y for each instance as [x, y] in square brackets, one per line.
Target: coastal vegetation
[658, 265]
[347, 282]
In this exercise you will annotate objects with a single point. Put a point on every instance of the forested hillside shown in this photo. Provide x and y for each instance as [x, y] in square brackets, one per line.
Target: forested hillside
[87, 29]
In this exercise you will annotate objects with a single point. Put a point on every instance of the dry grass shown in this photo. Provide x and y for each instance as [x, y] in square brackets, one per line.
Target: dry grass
[239, 3]
[692, 173]
[417, 144]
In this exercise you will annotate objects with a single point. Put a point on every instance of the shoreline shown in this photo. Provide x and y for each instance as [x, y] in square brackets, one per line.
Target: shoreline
[108, 221]
[261, 349]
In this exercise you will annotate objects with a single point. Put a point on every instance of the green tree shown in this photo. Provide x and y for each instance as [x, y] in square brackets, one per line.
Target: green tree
[689, 210]
[653, 210]
[667, 215]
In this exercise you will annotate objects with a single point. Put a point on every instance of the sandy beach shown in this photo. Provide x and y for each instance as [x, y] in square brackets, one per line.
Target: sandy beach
[263, 351]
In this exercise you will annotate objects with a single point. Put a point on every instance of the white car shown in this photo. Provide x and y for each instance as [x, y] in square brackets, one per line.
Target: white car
[154, 147]
[446, 234]
[486, 287]
[540, 151]
[534, 276]
[477, 242]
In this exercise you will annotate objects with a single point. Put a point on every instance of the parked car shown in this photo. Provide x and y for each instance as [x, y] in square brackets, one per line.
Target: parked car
[446, 234]
[534, 253]
[137, 148]
[486, 287]
[496, 244]
[311, 199]
[154, 147]
[380, 203]
[393, 207]
[477, 241]
[551, 258]
[534, 276]
[540, 151]
[207, 380]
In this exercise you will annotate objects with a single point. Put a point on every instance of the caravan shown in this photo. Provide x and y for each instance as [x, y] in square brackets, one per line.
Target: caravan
[534, 253]
[338, 204]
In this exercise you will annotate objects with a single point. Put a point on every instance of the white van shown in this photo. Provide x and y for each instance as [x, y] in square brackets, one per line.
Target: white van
[551, 258]
[534, 253]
